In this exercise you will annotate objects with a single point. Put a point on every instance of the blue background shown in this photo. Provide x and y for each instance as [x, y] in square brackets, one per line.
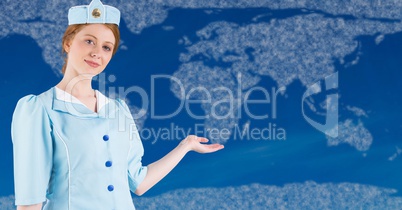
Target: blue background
[372, 84]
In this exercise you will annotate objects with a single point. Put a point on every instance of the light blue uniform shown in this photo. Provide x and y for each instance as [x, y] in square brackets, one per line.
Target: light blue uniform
[72, 157]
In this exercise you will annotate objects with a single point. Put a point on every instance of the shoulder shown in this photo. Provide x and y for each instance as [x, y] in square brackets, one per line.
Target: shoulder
[32, 102]
[30, 116]
[29, 101]
[122, 104]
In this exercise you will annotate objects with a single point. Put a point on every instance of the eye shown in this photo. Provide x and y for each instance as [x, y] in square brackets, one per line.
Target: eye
[88, 41]
[107, 48]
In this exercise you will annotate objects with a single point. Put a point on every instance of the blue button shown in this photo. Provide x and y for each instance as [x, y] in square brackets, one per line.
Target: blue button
[110, 188]
[105, 138]
[108, 163]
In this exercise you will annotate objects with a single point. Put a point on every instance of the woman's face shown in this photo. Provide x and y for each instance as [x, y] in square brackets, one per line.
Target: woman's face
[90, 50]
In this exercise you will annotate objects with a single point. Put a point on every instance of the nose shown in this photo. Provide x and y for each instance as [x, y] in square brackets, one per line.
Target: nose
[95, 52]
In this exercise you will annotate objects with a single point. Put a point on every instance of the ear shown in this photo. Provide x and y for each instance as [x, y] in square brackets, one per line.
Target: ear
[67, 46]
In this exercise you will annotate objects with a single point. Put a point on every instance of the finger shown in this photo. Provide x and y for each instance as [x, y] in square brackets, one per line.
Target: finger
[203, 140]
[215, 147]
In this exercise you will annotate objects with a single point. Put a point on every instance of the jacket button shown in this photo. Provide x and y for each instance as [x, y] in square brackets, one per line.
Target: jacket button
[108, 163]
[105, 138]
[110, 188]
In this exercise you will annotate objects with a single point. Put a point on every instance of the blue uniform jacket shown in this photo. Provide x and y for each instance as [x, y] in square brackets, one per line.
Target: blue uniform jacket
[72, 157]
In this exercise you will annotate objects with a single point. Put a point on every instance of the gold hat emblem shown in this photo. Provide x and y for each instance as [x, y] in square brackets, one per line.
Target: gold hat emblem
[96, 13]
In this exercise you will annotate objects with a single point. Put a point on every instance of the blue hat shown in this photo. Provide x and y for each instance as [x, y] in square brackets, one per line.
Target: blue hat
[95, 12]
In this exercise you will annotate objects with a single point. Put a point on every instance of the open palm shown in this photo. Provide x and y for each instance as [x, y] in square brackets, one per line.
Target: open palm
[197, 144]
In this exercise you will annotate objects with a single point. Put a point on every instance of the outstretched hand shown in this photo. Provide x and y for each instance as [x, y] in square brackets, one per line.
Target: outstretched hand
[197, 144]
[159, 169]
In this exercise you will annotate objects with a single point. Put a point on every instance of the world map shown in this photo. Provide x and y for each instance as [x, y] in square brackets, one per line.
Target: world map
[298, 64]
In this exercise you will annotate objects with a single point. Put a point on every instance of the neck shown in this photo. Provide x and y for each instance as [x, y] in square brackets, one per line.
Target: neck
[77, 85]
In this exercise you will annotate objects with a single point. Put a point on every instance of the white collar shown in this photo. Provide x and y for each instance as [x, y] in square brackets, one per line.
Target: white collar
[101, 100]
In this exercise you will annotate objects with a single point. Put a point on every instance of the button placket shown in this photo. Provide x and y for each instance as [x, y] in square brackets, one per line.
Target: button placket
[108, 163]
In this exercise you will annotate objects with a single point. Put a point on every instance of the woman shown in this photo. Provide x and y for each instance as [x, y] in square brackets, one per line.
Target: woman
[75, 148]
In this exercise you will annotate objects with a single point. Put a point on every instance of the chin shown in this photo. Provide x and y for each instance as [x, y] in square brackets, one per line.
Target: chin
[94, 71]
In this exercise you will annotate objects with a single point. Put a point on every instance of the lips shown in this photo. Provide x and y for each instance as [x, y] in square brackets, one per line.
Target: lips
[92, 64]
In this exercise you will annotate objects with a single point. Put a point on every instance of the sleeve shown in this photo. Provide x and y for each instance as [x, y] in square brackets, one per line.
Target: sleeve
[136, 172]
[32, 150]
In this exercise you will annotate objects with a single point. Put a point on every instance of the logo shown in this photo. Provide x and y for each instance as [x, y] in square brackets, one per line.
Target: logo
[330, 127]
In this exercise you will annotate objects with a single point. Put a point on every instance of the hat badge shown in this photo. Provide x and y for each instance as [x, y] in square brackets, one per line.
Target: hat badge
[96, 13]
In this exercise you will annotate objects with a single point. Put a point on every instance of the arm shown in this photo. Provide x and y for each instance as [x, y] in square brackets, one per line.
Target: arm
[32, 152]
[30, 207]
[159, 169]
